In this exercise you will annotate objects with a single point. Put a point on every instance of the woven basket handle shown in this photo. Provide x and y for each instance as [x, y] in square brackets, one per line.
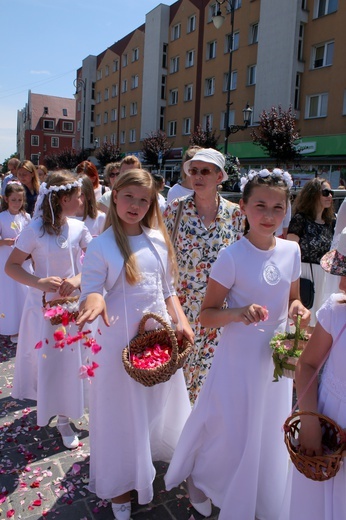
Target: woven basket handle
[296, 337]
[170, 331]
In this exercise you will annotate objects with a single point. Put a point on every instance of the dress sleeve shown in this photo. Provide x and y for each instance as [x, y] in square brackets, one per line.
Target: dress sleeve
[27, 240]
[86, 237]
[325, 313]
[297, 225]
[169, 215]
[94, 270]
[223, 269]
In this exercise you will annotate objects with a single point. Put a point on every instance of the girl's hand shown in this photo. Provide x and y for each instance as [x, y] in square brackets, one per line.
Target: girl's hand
[310, 436]
[90, 309]
[296, 308]
[8, 241]
[68, 285]
[251, 314]
[50, 284]
[184, 329]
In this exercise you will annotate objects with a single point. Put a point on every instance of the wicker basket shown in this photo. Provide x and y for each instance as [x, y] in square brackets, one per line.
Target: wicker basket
[322, 467]
[145, 339]
[69, 304]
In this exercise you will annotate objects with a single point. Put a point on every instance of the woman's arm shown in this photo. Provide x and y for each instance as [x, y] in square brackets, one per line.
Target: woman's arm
[14, 269]
[176, 312]
[293, 237]
[214, 315]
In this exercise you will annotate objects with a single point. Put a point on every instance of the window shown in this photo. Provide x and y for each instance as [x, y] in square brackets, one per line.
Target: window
[115, 65]
[188, 91]
[67, 126]
[322, 55]
[35, 158]
[174, 65]
[344, 104]
[164, 55]
[98, 97]
[106, 94]
[162, 119]
[176, 29]
[134, 81]
[132, 136]
[133, 108]
[124, 61]
[93, 90]
[173, 96]
[190, 58]
[163, 86]
[92, 113]
[123, 111]
[64, 112]
[78, 126]
[114, 114]
[98, 119]
[316, 106]
[45, 110]
[209, 86]
[297, 92]
[231, 119]
[187, 126]
[124, 86]
[233, 84]
[191, 23]
[323, 7]
[105, 118]
[99, 74]
[135, 54]
[254, 33]
[55, 142]
[48, 124]
[35, 140]
[213, 8]
[251, 77]
[211, 50]
[207, 122]
[106, 70]
[300, 42]
[228, 42]
[122, 137]
[114, 90]
[172, 128]
[79, 106]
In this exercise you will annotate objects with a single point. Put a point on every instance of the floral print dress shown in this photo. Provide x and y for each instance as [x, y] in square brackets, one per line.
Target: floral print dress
[197, 248]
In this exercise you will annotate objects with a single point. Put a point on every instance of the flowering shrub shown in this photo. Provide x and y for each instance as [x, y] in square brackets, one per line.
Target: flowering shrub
[151, 357]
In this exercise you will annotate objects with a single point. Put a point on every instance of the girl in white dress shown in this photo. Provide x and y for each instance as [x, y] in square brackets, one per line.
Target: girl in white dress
[50, 375]
[13, 220]
[231, 449]
[305, 498]
[88, 213]
[131, 425]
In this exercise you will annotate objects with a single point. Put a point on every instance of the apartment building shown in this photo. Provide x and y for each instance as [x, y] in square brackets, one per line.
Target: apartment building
[172, 74]
[45, 125]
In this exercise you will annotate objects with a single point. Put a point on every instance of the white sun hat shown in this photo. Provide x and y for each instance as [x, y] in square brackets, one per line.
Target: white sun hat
[208, 155]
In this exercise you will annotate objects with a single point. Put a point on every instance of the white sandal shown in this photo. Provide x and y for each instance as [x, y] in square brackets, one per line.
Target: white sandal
[69, 438]
[122, 511]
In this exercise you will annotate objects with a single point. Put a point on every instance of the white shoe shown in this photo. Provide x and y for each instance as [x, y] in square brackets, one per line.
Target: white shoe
[203, 508]
[69, 438]
[122, 511]
[14, 338]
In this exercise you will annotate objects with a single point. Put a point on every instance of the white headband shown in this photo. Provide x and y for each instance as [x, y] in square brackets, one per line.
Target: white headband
[48, 191]
[276, 173]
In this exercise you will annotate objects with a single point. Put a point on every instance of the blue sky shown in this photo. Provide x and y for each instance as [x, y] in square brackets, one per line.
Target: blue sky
[43, 43]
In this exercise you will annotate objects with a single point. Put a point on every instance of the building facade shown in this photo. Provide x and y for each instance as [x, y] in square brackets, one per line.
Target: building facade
[45, 125]
[173, 73]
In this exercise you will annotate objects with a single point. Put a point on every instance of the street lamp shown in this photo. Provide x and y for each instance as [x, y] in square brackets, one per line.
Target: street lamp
[80, 84]
[218, 20]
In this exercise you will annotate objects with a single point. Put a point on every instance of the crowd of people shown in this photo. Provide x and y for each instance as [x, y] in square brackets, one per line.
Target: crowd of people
[84, 262]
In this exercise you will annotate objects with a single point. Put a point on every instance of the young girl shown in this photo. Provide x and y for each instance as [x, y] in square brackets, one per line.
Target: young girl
[91, 216]
[13, 219]
[231, 448]
[306, 498]
[131, 425]
[48, 374]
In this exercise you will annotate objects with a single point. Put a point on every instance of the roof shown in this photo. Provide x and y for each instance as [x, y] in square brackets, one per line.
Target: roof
[55, 105]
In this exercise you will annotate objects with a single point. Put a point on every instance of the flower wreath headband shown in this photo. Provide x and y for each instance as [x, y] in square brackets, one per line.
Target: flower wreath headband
[48, 191]
[277, 173]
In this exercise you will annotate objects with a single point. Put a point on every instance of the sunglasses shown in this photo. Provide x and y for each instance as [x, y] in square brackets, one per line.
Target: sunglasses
[202, 171]
[326, 193]
[114, 174]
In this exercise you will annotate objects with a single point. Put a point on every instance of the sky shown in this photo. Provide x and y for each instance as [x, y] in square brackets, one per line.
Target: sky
[43, 43]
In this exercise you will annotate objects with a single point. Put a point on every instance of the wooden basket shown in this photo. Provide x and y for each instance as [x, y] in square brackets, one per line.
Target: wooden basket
[322, 467]
[68, 303]
[145, 339]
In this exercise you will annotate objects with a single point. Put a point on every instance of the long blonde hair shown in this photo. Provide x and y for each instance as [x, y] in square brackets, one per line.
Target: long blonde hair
[152, 219]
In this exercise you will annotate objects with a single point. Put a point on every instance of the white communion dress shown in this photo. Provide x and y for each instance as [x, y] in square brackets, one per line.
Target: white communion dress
[12, 293]
[47, 374]
[232, 444]
[130, 425]
[306, 499]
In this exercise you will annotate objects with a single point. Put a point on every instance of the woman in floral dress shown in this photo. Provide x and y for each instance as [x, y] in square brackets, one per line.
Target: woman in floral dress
[207, 223]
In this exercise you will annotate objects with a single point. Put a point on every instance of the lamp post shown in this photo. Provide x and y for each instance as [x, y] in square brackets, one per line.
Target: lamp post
[218, 21]
[80, 84]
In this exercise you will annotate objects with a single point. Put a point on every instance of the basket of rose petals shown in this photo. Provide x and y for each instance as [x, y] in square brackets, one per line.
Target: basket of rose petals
[61, 310]
[153, 356]
[287, 348]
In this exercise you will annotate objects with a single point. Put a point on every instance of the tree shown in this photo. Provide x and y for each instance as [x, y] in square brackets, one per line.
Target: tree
[108, 153]
[276, 134]
[204, 138]
[155, 148]
[67, 159]
[232, 167]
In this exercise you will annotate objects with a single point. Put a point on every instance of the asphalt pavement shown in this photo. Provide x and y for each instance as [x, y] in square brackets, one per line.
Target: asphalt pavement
[41, 479]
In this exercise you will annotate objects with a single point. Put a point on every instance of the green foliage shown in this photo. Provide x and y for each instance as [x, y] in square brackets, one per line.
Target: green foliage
[155, 143]
[67, 159]
[108, 153]
[232, 168]
[276, 135]
[204, 138]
